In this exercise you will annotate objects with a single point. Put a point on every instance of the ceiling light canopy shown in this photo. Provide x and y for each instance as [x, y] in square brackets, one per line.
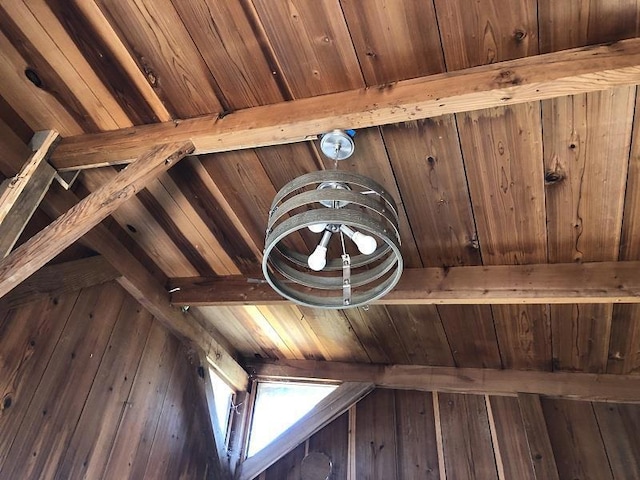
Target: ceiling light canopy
[332, 237]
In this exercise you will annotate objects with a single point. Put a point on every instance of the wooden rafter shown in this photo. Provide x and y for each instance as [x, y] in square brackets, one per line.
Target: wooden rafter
[327, 410]
[600, 282]
[539, 77]
[65, 230]
[25, 191]
[581, 386]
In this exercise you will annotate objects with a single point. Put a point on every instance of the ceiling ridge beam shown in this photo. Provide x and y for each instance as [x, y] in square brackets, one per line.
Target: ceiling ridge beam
[568, 72]
[483, 381]
[560, 283]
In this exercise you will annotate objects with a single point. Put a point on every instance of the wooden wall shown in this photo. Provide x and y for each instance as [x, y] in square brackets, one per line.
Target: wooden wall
[91, 386]
[408, 435]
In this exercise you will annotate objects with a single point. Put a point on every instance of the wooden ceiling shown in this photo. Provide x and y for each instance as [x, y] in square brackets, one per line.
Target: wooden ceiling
[551, 181]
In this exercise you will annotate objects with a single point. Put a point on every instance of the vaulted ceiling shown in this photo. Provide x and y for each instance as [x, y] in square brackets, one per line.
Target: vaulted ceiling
[550, 181]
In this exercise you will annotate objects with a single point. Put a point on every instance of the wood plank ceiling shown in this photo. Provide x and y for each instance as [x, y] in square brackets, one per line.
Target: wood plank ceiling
[549, 181]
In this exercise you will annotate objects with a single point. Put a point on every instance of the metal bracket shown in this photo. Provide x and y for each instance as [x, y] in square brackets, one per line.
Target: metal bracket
[346, 280]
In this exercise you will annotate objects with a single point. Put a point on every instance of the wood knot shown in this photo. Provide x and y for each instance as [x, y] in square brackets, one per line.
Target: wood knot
[519, 35]
[33, 77]
[552, 177]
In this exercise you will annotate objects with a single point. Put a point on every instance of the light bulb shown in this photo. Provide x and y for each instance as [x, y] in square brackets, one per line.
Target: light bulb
[318, 259]
[317, 227]
[365, 243]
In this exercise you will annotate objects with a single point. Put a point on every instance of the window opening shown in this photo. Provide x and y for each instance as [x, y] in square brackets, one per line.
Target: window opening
[278, 405]
[223, 398]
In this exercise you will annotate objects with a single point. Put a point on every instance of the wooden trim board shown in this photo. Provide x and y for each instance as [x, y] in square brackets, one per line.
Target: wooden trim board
[557, 74]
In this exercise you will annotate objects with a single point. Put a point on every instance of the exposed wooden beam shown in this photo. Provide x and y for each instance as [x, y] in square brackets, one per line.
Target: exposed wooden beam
[25, 191]
[65, 230]
[580, 386]
[143, 286]
[599, 282]
[58, 279]
[551, 75]
[329, 408]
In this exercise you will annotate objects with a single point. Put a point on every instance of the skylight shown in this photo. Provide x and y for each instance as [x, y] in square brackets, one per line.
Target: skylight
[279, 405]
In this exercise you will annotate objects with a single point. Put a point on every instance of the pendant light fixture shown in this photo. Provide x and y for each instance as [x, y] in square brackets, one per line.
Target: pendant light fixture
[332, 237]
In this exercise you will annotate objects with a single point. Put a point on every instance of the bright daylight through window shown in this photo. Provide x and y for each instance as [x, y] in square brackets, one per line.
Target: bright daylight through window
[279, 405]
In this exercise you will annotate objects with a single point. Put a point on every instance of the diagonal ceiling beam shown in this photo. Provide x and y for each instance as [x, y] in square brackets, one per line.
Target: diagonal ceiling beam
[580, 386]
[599, 282]
[90, 211]
[25, 191]
[539, 77]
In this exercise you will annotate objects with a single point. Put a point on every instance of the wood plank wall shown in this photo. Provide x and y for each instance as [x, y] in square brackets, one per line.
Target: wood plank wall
[402, 435]
[93, 387]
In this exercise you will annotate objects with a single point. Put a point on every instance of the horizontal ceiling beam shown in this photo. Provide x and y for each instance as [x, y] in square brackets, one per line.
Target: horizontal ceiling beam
[600, 282]
[579, 386]
[527, 79]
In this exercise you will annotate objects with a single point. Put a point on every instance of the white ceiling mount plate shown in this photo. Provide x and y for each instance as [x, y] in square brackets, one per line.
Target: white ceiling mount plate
[337, 145]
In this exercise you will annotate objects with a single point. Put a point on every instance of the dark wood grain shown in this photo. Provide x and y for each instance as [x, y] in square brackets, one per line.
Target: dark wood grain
[576, 440]
[376, 440]
[466, 437]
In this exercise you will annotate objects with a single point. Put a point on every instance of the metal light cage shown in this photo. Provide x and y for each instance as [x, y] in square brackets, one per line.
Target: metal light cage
[332, 198]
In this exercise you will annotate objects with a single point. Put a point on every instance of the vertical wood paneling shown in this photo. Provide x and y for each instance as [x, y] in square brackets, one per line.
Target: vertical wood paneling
[471, 335]
[312, 41]
[466, 437]
[288, 467]
[394, 40]
[533, 421]
[376, 442]
[486, 31]
[427, 162]
[88, 449]
[503, 157]
[576, 440]
[416, 436]
[333, 441]
[165, 52]
[371, 160]
[27, 340]
[231, 51]
[422, 334]
[586, 140]
[378, 334]
[511, 438]
[619, 427]
[58, 401]
[585, 22]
